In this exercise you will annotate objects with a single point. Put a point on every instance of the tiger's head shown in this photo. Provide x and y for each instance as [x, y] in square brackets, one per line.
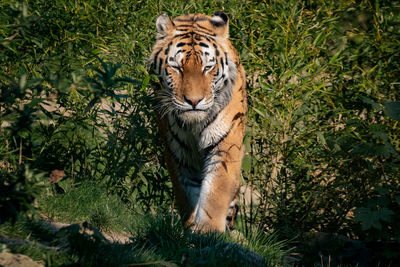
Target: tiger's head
[193, 61]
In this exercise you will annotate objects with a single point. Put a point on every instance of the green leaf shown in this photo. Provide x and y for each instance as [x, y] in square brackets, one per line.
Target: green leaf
[392, 110]
[246, 163]
[335, 57]
[321, 138]
[371, 102]
[371, 218]
[22, 81]
[371, 149]
[367, 218]
[384, 214]
[382, 190]
[145, 82]
[262, 114]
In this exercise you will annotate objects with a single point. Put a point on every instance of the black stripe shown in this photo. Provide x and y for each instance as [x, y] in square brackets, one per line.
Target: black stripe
[206, 36]
[208, 214]
[160, 65]
[211, 147]
[183, 29]
[224, 165]
[185, 25]
[156, 57]
[222, 76]
[183, 20]
[179, 122]
[208, 39]
[178, 140]
[237, 116]
[172, 123]
[180, 162]
[218, 49]
[209, 122]
[204, 28]
[183, 35]
[174, 156]
[167, 50]
[204, 45]
[206, 33]
[226, 58]
[201, 19]
[180, 44]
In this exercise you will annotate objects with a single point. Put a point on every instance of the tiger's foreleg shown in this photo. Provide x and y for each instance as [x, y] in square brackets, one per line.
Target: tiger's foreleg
[220, 186]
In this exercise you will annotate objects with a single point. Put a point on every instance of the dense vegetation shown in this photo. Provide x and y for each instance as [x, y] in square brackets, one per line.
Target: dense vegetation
[323, 124]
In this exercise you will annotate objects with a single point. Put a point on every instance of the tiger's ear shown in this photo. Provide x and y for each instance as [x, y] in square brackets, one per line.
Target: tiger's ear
[164, 25]
[220, 22]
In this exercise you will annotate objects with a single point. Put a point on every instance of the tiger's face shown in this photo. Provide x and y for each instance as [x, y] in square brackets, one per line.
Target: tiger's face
[195, 71]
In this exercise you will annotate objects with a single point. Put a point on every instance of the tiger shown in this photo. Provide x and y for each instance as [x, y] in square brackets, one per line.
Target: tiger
[201, 107]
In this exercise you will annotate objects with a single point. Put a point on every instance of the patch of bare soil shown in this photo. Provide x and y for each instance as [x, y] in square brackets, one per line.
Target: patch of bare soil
[112, 237]
[17, 260]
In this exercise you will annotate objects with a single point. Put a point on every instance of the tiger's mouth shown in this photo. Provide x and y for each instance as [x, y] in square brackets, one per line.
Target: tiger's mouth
[193, 115]
[194, 110]
[191, 112]
[199, 109]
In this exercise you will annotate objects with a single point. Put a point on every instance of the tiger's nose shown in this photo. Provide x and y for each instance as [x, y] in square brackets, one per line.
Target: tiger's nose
[193, 101]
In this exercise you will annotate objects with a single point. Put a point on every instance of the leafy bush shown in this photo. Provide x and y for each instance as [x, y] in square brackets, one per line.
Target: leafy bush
[322, 140]
[18, 191]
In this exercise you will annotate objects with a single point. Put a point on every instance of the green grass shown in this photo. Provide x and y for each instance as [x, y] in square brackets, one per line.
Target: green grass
[157, 239]
[89, 202]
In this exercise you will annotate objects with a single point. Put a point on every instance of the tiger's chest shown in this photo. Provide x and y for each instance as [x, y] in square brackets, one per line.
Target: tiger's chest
[184, 146]
[191, 144]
